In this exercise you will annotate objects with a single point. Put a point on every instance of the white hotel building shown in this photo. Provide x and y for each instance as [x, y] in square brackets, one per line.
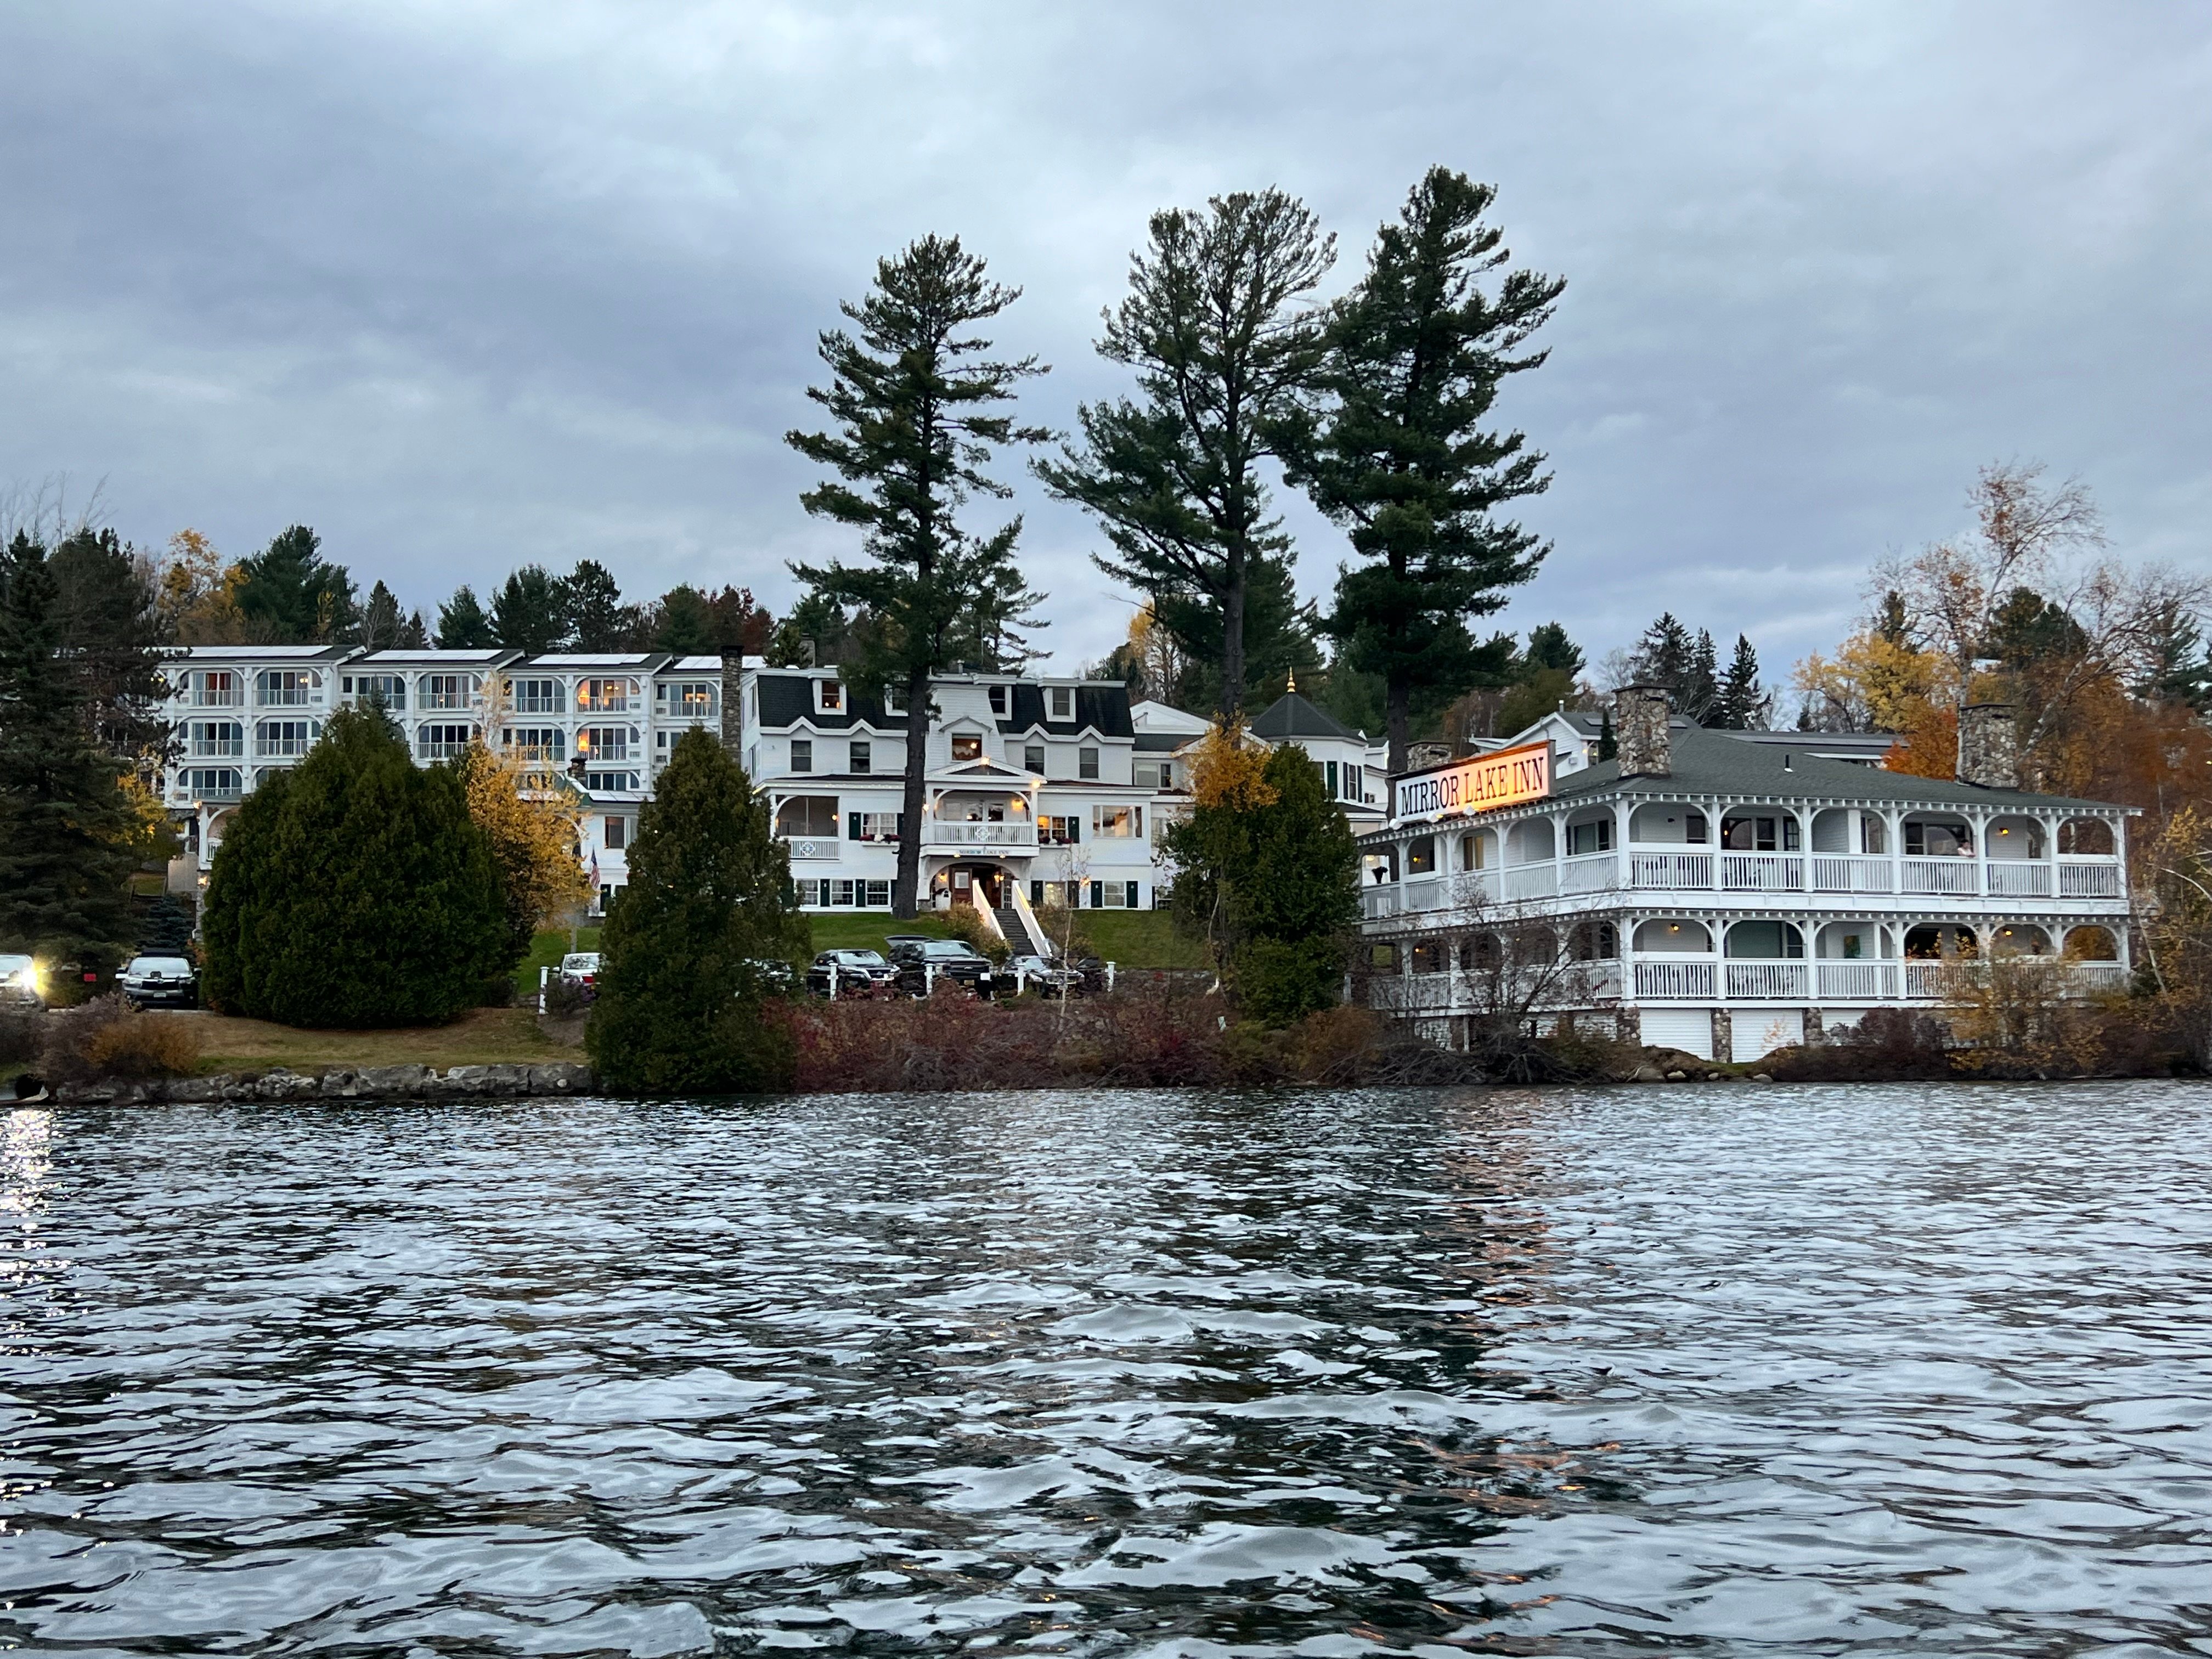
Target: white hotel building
[1728, 893]
[1040, 790]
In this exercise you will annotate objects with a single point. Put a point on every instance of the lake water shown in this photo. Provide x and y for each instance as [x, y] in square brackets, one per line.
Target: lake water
[1735, 1370]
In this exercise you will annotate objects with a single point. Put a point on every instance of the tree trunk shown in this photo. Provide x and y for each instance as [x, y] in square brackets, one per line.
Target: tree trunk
[1398, 721]
[1232, 646]
[905, 899]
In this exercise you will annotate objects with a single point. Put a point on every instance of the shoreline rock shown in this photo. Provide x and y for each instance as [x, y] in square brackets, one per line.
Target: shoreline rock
[369, 1083]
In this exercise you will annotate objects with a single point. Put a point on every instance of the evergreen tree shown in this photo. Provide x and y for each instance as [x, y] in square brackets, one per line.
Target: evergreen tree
[290, 594]
[1608, 746]
[65, 828]
[462, 624]
[1742, 704]
[1280, 634]
[2177, 667]
[1550, 647]
[353, 890]
[530, 611]
[742, 625]
[681, 992]
[1222, 356]
[1416, 355]
[413, 635]
[166, 929]
[686, 624]
[382, 626]
[107, 607]
[592, 607]
[1268, 871]
[1666, 655]
[912, 402]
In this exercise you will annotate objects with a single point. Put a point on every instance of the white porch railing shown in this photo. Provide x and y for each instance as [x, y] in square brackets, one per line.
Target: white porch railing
[2018, 879]
[1754, 982]
[1529, 881]
[1835, 873]
[1377, 902]
[1674, 871]
[1762, 872]
[1473, 887]
[1591, 872]
[2090, 977]
[950, 832]
[2089, 880]
[1424, 893]
[1691, 980]
[1857, 981]
[814, 850]
[1940, 876]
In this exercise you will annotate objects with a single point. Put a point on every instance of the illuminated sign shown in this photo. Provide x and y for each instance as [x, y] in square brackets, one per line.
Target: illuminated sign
[1504, 778]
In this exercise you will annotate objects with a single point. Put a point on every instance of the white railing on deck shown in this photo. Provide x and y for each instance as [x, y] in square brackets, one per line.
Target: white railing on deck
[1592, 872]
[1833, 874]
[1940, 876]
[957, 833]
[1938, 980]
[1857, 981]
[1692, 980]
[1676, 872]
[1531, 881]
[2090, 977]
[1766, 981]
[1474, 887]
[1424, 893]
[2018, 878]
[1762, 872]
[2089, 880]
[1377, 902]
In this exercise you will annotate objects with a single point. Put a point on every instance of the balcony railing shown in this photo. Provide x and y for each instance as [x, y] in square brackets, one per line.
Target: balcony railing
[1527, 881]
[1857, 981]
[1835, 873]
[1767, 982]
[1685, 871]
[1422, 893]
[1762, 872]
[1955, 876]
[2018, 879]
[1376, 903]
[1660, 980]
[812, 849]
[229, 748]
[2089, 880]
[1590, 873]
[945, 832]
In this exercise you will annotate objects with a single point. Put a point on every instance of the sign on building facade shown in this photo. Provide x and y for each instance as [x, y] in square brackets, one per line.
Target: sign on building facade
[1504, 777]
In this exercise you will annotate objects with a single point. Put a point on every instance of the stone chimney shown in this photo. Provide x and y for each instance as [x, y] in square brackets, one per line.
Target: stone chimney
[1989, 745]
[1640, 737]
[733, 708]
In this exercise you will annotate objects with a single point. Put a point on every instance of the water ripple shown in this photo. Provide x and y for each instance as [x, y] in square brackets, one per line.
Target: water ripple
[1750, 1371]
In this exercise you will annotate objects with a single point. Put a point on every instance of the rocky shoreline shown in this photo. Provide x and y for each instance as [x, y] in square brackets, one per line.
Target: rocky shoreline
[341, 1083]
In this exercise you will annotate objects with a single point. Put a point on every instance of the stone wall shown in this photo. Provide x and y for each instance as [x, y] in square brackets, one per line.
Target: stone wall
[339, 1083]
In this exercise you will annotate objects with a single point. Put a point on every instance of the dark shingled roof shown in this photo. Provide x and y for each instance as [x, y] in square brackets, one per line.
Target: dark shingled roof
[787, 699]
[1291, 716]
[1160, 742]
[1102, 708]
[1709, 762]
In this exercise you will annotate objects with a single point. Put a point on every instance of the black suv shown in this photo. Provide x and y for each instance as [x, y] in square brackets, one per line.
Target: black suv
[159, 982]
[921, 963]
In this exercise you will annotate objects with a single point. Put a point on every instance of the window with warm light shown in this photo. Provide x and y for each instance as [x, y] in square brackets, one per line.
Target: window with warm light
[966, 746]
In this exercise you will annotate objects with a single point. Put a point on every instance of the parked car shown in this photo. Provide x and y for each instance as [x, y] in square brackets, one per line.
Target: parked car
[159, 982]
[21, 982]
[581, 970]
[1043, 974]
[859, 973]
[775, 976]
[922, 962]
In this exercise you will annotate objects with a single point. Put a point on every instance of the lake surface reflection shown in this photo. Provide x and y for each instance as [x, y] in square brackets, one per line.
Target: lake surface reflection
[1739, 1369]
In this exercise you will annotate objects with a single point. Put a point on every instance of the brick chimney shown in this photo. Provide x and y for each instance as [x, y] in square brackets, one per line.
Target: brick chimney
[1640, 738]
[1989, 745]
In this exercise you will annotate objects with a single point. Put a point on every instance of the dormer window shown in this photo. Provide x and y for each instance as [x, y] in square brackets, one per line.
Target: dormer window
[967, 746]
[830, 697]
[999, 700]
[895, 700]
[1063, 702]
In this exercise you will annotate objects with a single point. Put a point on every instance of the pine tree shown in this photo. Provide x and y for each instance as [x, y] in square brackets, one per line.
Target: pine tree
[1223, 355]
[462, 624]
[1550, 647]
[592, 606]
[530, 611]
[380, 626]
[107, 607]
[1742, 704]
[413, 635]
[1281, 636]
[2177, 667]
[353, 890]
[166, 929]
[290, 594]
[681, 990]
[65, 828]
[911, 400]
[686, 624]
[1416, 355]
[1666, 655]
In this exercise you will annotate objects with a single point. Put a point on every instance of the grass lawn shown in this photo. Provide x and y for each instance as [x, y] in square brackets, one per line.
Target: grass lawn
[546, 952]
[484, 1036]
[1141, 938]
[865, 930]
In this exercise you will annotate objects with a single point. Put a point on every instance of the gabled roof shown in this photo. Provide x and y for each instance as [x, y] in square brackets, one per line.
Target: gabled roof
[1291, 717]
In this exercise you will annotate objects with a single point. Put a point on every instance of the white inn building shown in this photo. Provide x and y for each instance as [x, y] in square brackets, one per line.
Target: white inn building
[1728, 893]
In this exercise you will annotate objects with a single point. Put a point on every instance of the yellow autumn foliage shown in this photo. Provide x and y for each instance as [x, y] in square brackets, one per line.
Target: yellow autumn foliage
[1230, 772]
[534, 822]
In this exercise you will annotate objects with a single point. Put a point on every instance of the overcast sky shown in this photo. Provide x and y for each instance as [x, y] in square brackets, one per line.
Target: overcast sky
[467, 285]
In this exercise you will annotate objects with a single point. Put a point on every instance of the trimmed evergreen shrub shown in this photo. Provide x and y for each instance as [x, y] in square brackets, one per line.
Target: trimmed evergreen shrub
[354, 890]
[687, 954]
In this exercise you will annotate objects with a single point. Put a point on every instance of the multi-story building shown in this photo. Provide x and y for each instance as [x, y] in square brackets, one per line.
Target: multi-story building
[1724, 896]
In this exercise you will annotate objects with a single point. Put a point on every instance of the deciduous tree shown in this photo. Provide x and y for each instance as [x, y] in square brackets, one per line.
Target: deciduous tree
[531, 822]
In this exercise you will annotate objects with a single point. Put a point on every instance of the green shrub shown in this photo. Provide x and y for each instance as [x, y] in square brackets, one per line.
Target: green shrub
[966, 923]
[354, 891]
[681, 994]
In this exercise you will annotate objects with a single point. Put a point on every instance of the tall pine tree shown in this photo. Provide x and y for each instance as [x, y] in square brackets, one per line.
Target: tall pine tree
[1416, 355]
[462, 624]
[1223, 352]
[914, 399]
[66, 830]
[290, 594]
[530, 611]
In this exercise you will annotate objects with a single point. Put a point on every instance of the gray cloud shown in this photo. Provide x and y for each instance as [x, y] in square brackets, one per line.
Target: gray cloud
[467, 285]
